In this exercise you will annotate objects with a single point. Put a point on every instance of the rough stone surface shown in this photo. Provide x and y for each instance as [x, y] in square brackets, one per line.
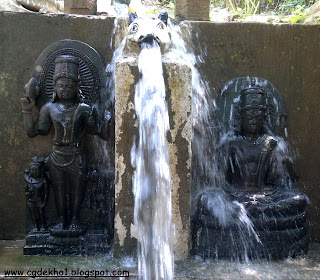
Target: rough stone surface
[80, 7]
[44, 6]
[192, 10]
[178, 77]
[23, 38]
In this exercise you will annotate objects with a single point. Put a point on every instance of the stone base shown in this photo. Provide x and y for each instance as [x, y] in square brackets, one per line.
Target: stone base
[42, 243]
[238, 243]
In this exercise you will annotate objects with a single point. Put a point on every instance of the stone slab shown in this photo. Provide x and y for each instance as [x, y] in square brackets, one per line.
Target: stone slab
[178, 78]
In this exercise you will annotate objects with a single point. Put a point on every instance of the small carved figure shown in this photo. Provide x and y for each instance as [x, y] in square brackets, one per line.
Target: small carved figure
[36, 187]
[71, 119]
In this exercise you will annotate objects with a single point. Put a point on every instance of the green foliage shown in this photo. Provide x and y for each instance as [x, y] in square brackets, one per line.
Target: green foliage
[164, 2]
[288, 7]
[251, 7]
[246, 7]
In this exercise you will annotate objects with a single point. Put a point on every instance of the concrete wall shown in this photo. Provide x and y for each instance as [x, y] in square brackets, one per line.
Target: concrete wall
[286, 55]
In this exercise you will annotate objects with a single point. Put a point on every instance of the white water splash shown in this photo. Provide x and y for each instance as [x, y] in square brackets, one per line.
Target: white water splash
[152, 190]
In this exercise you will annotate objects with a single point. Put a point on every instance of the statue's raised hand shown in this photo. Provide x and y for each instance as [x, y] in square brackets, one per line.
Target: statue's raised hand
[31, 94]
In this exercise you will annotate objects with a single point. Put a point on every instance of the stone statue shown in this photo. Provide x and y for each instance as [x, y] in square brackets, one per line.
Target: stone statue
[36, 188]
[67, 95]
[259, 177]
[257, 160]
[70, 118]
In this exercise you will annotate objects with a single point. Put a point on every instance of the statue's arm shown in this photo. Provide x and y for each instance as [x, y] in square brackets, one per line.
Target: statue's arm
[43, 123]
[106, 125]
[99, 123]
[45, 194]
[281, 164]
[26, 185]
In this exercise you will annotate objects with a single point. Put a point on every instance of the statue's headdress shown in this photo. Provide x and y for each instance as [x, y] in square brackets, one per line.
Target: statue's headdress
[66, 66]
[253, 98]
[37, 160]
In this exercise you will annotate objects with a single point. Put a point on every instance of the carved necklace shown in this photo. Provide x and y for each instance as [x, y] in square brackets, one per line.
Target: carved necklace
[254, 142]
[63, 109]
[36, 180]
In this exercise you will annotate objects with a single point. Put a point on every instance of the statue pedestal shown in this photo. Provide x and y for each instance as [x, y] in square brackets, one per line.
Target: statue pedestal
[42, 243]
[273, 244]
[178, 82]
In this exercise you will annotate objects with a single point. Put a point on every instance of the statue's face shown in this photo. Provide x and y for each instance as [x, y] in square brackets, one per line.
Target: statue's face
[35, 170]
[66, 89]
[252, 122]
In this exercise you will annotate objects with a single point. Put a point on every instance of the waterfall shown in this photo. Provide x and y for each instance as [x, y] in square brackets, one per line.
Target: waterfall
[151, 182]
[208, 179]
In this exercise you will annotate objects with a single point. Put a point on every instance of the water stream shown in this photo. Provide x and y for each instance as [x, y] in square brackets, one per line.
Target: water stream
[151, 182]
[208, 180]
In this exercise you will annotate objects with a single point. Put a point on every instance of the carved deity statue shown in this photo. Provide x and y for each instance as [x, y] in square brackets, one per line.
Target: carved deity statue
[36, 188]
[257, 160]
[259, 176]
[70, 118]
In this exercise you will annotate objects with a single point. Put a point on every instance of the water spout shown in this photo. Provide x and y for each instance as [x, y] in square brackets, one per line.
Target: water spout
[152, 213]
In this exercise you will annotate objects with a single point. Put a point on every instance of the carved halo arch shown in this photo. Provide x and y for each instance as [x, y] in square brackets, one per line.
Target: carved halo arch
[228, 104]
[92, 75]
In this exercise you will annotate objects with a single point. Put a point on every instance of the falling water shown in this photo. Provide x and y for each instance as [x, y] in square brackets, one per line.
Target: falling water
[205, 143]
[152, 212]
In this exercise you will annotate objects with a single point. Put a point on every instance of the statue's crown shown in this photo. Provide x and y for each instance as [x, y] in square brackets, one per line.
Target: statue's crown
[253, 98]
[37, 160]
[66, 66]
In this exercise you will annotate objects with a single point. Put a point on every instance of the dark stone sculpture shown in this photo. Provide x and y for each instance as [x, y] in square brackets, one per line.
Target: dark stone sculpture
[67, 94]
[36, 188]
[262, 210]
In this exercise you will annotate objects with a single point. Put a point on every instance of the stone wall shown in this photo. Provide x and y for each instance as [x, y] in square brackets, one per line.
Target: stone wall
[286, 55]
